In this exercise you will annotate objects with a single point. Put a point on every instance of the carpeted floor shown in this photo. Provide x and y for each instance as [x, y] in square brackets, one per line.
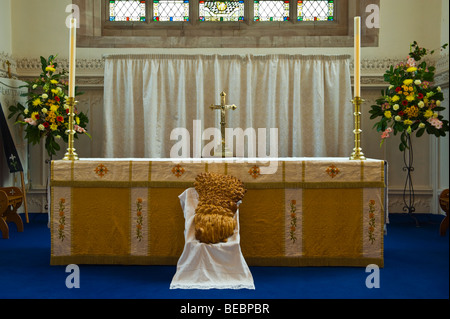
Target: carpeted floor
[416, 267]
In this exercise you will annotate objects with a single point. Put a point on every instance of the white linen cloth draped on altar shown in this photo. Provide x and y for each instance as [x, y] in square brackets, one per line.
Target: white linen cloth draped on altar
[308, 98]
[207, 266]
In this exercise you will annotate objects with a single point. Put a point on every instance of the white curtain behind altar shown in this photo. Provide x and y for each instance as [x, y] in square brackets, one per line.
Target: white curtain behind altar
[306, 97]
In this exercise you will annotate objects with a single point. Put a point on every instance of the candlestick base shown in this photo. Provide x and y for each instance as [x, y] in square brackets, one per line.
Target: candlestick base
[71, 155]
[357, 151]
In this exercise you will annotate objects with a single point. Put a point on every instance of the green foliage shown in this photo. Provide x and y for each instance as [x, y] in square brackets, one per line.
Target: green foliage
[45, 114]
[411, 103]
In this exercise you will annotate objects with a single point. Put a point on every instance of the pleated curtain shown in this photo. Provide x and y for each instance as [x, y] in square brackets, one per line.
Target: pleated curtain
[306, 98]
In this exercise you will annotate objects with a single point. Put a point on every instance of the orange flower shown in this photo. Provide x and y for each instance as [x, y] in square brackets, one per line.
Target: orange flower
[61, 213]
[292, 215]
[293, 202]
[139, 200]
[139, 213]
[371, 215]
[61, 227]
[138, 226]
[372, 202]
[62, 200]
[292, 228]
[371, 229]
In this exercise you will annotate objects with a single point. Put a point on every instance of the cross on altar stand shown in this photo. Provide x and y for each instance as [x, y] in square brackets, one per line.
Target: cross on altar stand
[223, 107]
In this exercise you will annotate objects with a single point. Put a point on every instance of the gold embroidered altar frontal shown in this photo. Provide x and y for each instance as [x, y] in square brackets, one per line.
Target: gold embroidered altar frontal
[309, 212]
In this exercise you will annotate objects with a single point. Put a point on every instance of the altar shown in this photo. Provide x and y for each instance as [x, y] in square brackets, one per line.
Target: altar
[307, 212]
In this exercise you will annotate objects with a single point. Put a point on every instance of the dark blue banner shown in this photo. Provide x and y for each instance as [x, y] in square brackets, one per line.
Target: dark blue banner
[12, 158]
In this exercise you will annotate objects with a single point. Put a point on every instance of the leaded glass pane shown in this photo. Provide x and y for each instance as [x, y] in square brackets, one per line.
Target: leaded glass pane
[127, 10]
[170, 10]
[221, 10]
[315, 10]
[271, 10]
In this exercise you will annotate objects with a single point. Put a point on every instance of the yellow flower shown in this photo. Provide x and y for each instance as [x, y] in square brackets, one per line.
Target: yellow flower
[54, 107]
[395, 98]
[53, 81]
[53, 127]
[428, 113]
[37, 102]
[412, 111]
[33, 115]
[408, 122]
[50, 69]
[411, 69]
[388, 114]
[410, 97]
[77, 119]
[54, 91]
[408, 82]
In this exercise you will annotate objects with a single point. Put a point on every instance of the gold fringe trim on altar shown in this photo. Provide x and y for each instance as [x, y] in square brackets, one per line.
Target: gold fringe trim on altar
[113, 260]
[251, 261]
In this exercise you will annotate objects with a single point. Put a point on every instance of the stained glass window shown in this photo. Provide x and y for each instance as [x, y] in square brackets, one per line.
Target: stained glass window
[170, 10]
[271, 10]
[127, 10]
[315, 10]
[221, 10]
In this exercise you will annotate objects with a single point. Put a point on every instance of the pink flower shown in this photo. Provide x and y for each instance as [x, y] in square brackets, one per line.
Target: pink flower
[30, 121]
[385, 134]
[411, 62]
[79, 129]
[435, 122]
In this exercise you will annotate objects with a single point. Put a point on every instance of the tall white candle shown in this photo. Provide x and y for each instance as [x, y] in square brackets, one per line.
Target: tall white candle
[357, 77]
[73, 30]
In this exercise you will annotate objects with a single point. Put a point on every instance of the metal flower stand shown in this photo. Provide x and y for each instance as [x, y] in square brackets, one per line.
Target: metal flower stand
[408, 190]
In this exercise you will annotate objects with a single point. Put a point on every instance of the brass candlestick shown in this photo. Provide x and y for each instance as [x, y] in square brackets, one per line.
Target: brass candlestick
[357, 151]
[70, 154]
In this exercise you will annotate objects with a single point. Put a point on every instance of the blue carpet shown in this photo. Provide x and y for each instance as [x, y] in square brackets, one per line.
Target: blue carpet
[416, 267]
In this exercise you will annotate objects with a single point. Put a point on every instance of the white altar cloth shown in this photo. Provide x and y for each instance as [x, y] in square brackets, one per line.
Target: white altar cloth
[209, 266]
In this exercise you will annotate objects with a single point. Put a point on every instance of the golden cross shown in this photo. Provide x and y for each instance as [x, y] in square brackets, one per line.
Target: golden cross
[9, 68]
[223, 107]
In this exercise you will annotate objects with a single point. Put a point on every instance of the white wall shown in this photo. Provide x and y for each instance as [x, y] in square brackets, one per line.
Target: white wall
[401, 22]
[5, 27]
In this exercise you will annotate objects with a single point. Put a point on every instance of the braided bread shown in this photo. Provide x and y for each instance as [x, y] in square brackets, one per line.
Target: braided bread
[218, 197]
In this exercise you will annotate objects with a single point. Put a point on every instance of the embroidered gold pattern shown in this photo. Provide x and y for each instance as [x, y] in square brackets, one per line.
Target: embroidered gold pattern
[332, 171]
[139, 220]
[178, 170]
[293, 227]
[101, 170]
[371, 221]
[254, 171]
[62, 219]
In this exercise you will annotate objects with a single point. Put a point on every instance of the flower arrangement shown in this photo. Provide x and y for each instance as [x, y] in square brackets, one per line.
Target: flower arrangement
[45, 114]
[411, 103]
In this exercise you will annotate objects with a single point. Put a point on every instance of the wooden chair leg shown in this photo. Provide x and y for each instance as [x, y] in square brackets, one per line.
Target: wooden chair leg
[444, 226]
[12, 216]
[4, 228]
